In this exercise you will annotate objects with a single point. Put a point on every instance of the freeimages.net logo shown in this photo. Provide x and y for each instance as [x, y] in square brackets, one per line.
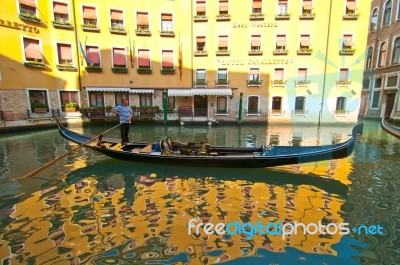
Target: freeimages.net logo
[197, 227]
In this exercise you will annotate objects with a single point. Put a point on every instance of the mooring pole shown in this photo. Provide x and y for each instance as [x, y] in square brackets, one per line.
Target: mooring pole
[240, 108]
[165, 106]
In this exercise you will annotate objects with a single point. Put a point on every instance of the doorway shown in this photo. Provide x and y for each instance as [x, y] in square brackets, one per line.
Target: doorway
[200, 106]
[389, 104]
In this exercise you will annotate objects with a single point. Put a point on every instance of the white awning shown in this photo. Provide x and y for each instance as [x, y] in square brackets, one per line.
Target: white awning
[199, 92]
[141, 91]
[108, 89]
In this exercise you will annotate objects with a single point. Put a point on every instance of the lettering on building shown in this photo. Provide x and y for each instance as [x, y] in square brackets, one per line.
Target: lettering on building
[252, 62]
[19, 26]
[254, 24]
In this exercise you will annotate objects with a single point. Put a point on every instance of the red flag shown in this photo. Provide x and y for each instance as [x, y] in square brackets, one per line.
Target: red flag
[180, 59]
[130, 51]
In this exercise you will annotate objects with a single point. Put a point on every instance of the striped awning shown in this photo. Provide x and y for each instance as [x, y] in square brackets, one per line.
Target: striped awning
[199, 92]
[108, 89]
[141, 91]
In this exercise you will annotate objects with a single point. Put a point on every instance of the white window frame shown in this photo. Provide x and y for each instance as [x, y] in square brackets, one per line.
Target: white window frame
[97, 14]
[258, 106]
[118, 9]
[72, 52]
[173, 25]
[36, 3]
[60, 1]
[98, 47]
[112, 55]
[37, 88]
[23, 49]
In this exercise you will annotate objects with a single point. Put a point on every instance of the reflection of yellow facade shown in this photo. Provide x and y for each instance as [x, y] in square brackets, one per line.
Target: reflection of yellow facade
[321, 40]
[93, 217]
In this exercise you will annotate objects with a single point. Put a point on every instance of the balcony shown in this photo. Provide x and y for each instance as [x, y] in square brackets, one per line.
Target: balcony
[278, 83]
[223, 52]
[200, 84]
[304, 51]
[302, 82]
[347, 51]
[94, 68]
[253, 83]
[66, 67]
[257, 16]
[283, 16]
[143, 32]
[221, 83]
[351, 16]
[281, 52]
[119, 69]
[343, 83]
[255, 52]
[90, 27]
[118, 30]
[167, 33]
[307, 15]
[144, 70]
[200, 53]
[223, 17]
[167, 70]
[29, 17]
[61, 24]
[34, 64]
[200, 18]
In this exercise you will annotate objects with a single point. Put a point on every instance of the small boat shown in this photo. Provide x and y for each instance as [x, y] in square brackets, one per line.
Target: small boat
[205, 155]
[390, 128]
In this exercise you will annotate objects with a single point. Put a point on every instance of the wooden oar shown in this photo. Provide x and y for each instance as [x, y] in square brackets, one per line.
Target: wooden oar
[64, 155]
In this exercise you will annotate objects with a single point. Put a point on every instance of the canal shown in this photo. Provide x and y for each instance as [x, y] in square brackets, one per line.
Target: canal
[88, 208]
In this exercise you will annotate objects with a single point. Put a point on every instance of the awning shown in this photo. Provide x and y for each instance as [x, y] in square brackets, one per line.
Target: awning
[141, 91]
[108, 89]
[199, 92]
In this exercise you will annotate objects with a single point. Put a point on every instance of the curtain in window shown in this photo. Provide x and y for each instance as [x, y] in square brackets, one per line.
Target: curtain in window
[116, 14]
[93, 54]
[60, 8]
[142, 19]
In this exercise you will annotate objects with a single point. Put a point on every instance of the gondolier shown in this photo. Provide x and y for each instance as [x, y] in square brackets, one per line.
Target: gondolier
[124, 112]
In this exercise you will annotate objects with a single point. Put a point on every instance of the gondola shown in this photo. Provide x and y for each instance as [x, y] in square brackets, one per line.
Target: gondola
[390, 128]
[205, 155]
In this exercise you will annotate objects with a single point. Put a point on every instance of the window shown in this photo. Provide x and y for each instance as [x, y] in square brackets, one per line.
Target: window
[144, 59]
[222, 43]
[166, 22]
[374, 20]
[254, 75]
[119, 58]
[257, 6]
[398, 11]
[282, 7]
[277, 105]
[301, 75]
[222, 76]
[278, 74]
[120, 96]
[340, 104]
[142, 19]
[223, 7]
[299, 105]
[67, 97]
[89, 16]
[96, 99]
[347, 41]
[167, 59]
[343, 74]
[387, 13]
[391, 81]
[117, 19]
[375, 99]
[27, 7]
[351, 7]
[382, 54]
[64, 52]
[368, 63]
[366, 83]
[200, 76]
[396, 51]
[201, 43]
[252, 105]
[255, 42]
[171, 103]
[38, 97]
[305, 42]
[200, 8]
[146, 100]
[222, 105]
[281, 42]
[32, 50]
[378, 82]
[60, 12]
[307, 7]
[93, 55]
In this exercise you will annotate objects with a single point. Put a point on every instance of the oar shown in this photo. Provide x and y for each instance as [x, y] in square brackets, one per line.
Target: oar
[64, 155]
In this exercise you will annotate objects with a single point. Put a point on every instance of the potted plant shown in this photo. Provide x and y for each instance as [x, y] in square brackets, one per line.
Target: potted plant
[39, 107]
[108, 109]
[70, 107]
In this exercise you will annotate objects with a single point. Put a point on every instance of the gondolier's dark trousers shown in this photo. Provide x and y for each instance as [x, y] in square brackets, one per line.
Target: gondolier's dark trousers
[125, 132]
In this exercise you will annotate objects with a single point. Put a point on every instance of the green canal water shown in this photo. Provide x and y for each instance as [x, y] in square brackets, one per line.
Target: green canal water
[91, 209]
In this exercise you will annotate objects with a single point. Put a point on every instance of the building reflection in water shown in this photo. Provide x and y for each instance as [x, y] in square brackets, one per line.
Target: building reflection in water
[140, 217]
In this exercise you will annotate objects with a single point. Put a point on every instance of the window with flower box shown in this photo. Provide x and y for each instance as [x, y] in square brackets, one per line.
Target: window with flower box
[144, 61]
[65, 58]
[223, 45]
[222, 77]
[93, 59]
[254, 77]
[142, 27]
[33, 53]
[255, 45]
[61, 15]
[89, 18]
[350, 12]
[117, 21]
[28, 10]
[344, 77]
[119, 60]
[307, 10]
[167, 64]
[282, 10]
[200, 46]
[200, 78]
[305, 44]
[280, 45]
[223, 12]
[278, 77]
[200, 11]
[167, 26]
[301, 79]
[347, 45]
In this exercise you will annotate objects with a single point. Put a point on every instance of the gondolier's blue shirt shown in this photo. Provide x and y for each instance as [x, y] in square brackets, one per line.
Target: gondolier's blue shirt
[124, 113]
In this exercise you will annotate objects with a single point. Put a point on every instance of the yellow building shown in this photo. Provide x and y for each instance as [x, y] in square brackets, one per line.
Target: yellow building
[216, 60]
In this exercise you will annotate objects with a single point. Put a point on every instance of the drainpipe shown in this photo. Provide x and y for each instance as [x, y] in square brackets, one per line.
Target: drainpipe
[77, 46]
[240, 108]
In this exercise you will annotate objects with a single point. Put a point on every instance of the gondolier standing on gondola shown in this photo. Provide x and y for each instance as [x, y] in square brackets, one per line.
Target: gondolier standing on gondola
[124, 112]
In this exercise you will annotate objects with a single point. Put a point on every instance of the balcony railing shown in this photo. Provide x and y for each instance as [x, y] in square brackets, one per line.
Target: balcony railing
[347, 51]
[221, 82]
[90, 27]
[281, 52]
[223, 53]
[66, 67]
[144, 70]
[257, 16]
[30, 17]
[283, 16]
[343, 82]
[254, 83]
[307, 15]
[351, 16]
[200, 18]
[34, 64]
[118, 30]
[94, 68]
[62, 24]
[302, 82]
[278, 82]
[119, 69]
[223, 17]
[143, 32]
[167, 71]
[200, 83]
[255, 52]
[167, 33]
[304, 51]
[200, 53]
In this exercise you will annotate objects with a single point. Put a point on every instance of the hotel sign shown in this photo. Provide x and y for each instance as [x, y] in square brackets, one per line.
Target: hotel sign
[255, 24]
[20, 26]
[252, 61]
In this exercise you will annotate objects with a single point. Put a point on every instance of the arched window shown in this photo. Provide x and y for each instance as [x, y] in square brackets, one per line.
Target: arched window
[369, 58]
[382, 54]
[387, 13]
[396, 51]
[374, 20]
